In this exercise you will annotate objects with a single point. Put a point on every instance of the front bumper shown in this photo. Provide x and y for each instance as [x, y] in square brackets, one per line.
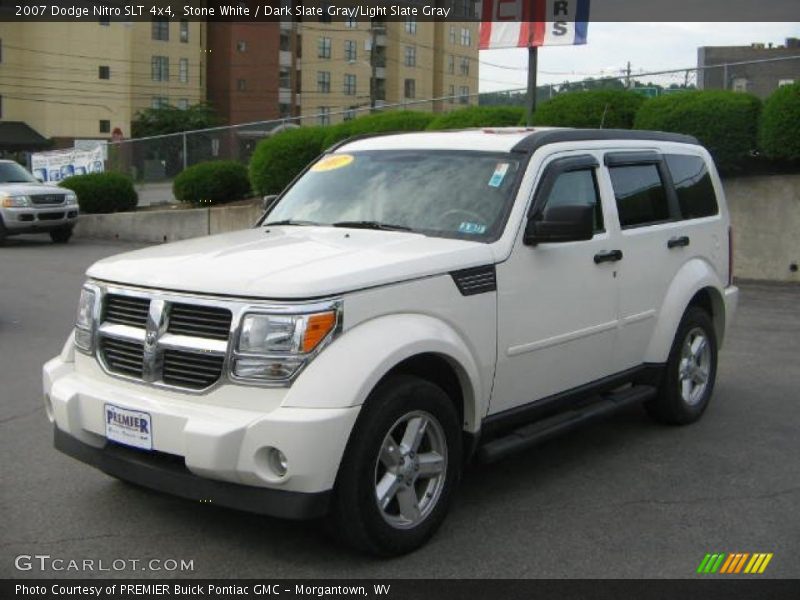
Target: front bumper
[38, 219]
[168, 473]
[220, 440]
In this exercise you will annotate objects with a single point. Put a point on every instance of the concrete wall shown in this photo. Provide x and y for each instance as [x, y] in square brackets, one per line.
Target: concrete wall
[765, 213]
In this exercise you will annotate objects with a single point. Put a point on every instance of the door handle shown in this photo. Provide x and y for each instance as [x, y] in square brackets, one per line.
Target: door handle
[610, 256]
[678, 242]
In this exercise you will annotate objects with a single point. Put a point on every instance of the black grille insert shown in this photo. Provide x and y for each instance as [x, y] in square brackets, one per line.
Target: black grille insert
[126, 310]
[47, 198]
[191, 369]
[122, 356]
[200, 321]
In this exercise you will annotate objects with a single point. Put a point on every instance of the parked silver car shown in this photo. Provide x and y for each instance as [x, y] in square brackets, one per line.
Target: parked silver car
[29, 206]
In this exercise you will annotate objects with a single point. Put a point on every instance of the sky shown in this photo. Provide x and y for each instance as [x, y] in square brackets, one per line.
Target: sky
[648, 46]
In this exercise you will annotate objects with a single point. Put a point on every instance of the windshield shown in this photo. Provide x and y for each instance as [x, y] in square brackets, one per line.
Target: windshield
[11, 172]
[440, 193]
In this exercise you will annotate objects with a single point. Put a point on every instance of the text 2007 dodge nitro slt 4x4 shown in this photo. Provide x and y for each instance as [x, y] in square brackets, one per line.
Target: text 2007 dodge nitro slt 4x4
[411, 301]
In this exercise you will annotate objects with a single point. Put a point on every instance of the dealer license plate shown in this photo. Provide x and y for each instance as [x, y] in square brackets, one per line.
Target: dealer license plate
[129, 427]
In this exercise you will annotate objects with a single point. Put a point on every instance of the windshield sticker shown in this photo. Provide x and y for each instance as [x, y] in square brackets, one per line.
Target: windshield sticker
[473, 228]
[334, 161]
[499, 174]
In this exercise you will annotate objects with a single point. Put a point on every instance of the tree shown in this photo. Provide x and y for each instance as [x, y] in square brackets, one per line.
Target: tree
[171, 119]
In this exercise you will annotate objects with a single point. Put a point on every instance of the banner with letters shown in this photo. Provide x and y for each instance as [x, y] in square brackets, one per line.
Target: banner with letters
[533, 23]
[56, 165]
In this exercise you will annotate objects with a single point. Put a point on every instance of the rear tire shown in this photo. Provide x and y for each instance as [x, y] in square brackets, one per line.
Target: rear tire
[400, 469]
[691, 371]
[61, 235]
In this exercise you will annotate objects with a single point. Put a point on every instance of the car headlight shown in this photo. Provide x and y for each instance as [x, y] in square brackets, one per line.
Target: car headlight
[71, 198]
[84, 322]
[273, 347]
[15, 201]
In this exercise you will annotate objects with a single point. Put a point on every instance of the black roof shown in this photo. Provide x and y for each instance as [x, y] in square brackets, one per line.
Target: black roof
[537, 139]
[17, 135]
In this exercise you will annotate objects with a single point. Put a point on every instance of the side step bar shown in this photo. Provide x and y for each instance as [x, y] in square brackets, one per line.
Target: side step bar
[547, 429]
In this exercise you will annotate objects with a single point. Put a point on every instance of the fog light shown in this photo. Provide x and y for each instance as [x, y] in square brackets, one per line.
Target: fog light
[277, 462]
[266, 369]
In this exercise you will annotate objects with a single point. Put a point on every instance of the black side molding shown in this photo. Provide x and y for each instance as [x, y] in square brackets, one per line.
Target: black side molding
[477, 280]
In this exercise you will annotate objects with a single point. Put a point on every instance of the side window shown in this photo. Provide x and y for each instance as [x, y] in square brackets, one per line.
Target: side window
[696, 195]
[640, 194]
[577, 187]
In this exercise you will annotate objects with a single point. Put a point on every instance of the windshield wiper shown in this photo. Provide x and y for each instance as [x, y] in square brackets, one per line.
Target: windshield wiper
[371, 225]
[292, 222]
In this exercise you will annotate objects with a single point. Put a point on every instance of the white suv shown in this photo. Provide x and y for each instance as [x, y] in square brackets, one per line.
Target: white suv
[411, 301]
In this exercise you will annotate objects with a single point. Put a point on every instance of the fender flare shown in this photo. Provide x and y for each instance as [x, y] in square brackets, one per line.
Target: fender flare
[695, 275]
[344, 374]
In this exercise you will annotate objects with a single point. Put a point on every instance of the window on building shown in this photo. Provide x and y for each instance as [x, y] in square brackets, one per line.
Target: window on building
[285, 78]
[104, 21]
[466, 36]
[349, 113]
[351, 23]
[350, 50]
[410, 56]
[349, 84]
[284, 110]
[696, 195]
[185, 31]
[324, 47]
[159, 68]
[160, 29]
[324, 115]
[298, 84]
[380, 56]
[463, 94]
[378, 88]
[286, 41]
[298, 46]
[105, 126]
[451, 92]
[452, 35]
[410, 88]
[640, 194]
[451, 64]
[241, 45]
[104, 72]
[411, 26]
[183, 103]
[468, 8]
[159, 102]
[324, 82]
[183, 70]
[740, 84]
[463, 66]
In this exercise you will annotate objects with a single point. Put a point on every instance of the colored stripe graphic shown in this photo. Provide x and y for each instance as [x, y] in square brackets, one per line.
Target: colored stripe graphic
[734, 563]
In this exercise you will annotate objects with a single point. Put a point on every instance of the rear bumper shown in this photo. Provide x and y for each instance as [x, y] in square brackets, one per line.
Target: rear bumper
[168, 473]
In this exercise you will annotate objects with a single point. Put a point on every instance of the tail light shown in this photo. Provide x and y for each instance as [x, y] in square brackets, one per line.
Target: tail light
[730, 255]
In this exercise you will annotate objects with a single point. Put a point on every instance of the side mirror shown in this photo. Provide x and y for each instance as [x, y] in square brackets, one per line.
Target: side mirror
[569, 223]
[268, 202]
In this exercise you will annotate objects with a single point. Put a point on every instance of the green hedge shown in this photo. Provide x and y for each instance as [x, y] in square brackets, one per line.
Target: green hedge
[403, 120]
[210, 183]
[779, 134]
[725, 122]
[478, 116]
[278, 159]
[103, 192]
[611, 109]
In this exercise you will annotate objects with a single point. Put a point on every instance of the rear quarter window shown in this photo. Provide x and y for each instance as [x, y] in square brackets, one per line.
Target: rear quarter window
[640, 194]
[696, 195]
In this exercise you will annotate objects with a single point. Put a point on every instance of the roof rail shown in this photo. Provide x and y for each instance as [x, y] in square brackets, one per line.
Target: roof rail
[536, 140]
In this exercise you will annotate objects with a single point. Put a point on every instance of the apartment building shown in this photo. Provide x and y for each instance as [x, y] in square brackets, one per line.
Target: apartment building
[87, 80]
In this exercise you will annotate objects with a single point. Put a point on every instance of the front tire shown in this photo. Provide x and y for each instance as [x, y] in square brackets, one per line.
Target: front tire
[400, 469]
[61, 235]
[691, 371]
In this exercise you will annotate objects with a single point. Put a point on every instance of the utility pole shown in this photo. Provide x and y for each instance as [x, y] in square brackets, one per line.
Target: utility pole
[533, 59]
[628, 76]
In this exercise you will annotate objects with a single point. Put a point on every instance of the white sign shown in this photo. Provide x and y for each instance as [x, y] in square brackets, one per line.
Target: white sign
[56, 165]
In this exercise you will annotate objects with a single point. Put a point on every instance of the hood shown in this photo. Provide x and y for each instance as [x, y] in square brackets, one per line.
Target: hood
[290, 262]
[27, 189]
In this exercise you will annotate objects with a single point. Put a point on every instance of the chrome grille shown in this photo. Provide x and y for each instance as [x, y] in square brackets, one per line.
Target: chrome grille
[122, 356]
[200, 321]
[191, 369]
[126, 310]
[47, 198]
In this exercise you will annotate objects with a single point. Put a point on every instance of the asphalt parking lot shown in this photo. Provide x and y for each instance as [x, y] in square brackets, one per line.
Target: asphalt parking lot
[625, 498]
